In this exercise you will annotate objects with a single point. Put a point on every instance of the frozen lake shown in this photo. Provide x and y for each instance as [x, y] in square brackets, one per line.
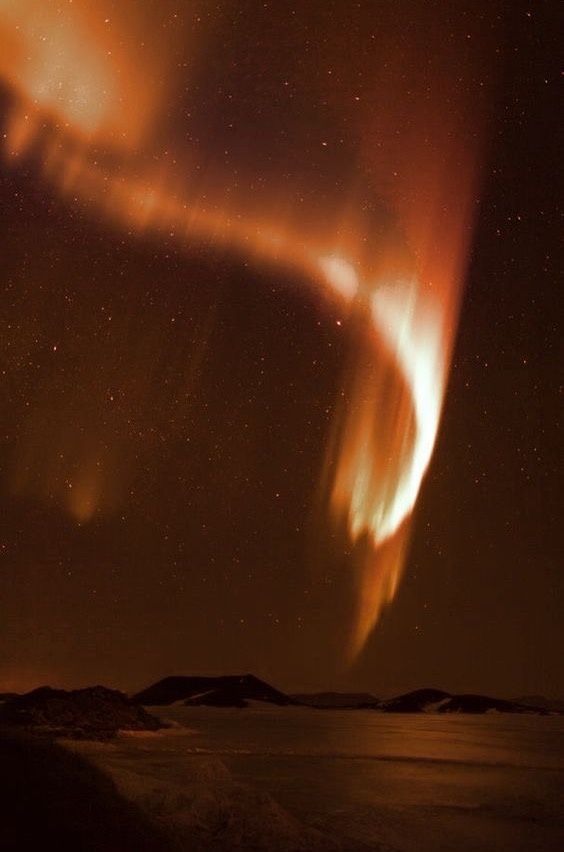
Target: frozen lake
[360, 779]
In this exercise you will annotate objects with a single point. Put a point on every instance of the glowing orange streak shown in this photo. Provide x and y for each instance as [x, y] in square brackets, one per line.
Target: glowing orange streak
[413, 335]
[409, 326]
[65, 62]
[378, 473]
[147, 205]
[387, 440]
[392, 310]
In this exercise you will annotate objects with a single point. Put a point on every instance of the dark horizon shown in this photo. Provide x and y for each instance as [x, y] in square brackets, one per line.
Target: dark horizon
[287, 690]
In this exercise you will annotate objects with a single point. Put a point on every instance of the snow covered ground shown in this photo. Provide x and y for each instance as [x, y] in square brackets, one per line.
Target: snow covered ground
[269, 778]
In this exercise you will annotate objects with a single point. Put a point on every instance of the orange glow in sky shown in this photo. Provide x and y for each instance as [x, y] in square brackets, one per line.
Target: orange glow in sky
[85, 88]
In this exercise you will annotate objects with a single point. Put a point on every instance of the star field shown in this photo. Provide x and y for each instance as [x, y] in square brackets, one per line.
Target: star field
[167, 404]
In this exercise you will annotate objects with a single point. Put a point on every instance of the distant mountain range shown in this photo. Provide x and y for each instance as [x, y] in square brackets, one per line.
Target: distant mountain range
[98, 709]
[239, 690]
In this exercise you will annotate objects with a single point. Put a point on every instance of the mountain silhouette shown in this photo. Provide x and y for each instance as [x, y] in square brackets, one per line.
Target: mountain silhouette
[226, 691]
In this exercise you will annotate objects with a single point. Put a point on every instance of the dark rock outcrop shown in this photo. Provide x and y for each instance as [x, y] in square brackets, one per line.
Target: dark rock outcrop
[92, 713]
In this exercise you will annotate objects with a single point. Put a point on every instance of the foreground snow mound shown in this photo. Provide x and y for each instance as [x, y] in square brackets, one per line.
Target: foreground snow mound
[92, 713]
[51, 798]
[206, 810]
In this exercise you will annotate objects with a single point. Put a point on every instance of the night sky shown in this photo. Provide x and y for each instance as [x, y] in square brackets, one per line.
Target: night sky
[167, 403]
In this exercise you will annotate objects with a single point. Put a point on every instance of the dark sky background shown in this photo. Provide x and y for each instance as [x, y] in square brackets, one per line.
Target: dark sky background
[199, 388]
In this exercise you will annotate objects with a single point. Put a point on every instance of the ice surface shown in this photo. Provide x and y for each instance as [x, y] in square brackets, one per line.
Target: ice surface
[292, 778]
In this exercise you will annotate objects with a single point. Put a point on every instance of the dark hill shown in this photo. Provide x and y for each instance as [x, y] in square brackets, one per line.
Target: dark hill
[419, 701]
[93, 713]
[553, 705]
[485, 704]
[438, 701]
[227, 691]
